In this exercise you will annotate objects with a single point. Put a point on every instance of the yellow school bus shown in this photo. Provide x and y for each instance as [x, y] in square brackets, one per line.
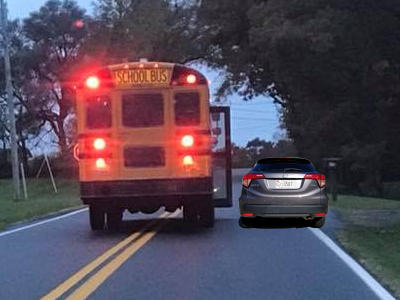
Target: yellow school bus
[148, 138]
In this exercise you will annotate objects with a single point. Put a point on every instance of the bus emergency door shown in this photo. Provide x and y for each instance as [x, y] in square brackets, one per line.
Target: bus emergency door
[221, 155]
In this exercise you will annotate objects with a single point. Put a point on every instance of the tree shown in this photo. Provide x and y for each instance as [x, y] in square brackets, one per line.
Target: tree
[158, 30]
[50, 58]
[332, 65]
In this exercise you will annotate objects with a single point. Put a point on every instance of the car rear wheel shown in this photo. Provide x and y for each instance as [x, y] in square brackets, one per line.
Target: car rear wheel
[96, 217]
[114, 219]
[246, 222]
[317, 222]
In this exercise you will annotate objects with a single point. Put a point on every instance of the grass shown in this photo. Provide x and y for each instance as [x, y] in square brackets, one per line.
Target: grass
[371, 233]
[42, 200]
[356, 202]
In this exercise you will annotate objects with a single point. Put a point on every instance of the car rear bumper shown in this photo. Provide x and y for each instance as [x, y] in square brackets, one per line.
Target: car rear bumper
[282, 211]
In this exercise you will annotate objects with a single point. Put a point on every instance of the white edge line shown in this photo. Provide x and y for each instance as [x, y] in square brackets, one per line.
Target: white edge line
[370, 281]
[42, 222]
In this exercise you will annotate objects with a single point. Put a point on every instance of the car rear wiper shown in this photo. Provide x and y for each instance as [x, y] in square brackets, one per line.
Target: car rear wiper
[292, 169]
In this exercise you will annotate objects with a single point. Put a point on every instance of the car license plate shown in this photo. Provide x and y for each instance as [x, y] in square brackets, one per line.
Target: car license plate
[284, 184]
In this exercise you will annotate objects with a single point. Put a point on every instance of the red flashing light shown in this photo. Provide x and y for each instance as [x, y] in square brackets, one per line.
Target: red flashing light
[248, 177]
[247, 215]
[191, 78]
[92, 82]
[320, 214]
[318, 177]
[99, 144]
[187, 141]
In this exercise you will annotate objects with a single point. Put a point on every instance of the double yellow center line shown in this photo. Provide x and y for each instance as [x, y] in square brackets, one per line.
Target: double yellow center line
[129, 245]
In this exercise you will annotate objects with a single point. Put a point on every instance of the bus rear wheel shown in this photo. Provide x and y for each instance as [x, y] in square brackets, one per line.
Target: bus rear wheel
[190, 213]
[114, 219]
[206, 213]
[96, 217]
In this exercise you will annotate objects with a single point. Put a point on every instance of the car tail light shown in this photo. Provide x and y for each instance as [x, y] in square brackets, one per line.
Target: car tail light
[99, 144]
[320, 214]
[187, 160]
[318, 177]
[92, 82]
[187, 141]
[101, 163]
[247, 215]
[248, 177]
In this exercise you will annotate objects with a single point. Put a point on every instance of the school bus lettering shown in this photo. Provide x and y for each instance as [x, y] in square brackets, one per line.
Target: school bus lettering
[141, 76]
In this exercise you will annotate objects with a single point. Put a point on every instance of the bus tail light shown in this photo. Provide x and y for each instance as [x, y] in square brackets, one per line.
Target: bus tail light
[249, 177]
[187, 141]
[99, 144]
[318, 177]
[188, 160]
[95, 147]
[101, 163]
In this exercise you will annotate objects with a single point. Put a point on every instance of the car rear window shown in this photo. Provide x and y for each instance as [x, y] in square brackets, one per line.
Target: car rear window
[143, 110]
[187, 109]
[282, 166]
[98, 112]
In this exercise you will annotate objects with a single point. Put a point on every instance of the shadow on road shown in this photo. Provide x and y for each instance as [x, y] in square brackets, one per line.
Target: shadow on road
[275, 223]
[175, 226]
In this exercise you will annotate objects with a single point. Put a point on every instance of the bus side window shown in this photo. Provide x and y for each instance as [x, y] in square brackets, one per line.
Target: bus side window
[187, 109]
[98, 112]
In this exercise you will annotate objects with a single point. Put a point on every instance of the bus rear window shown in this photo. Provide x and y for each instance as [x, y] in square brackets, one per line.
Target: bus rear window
[142, 110]
[98, 112]
[187, 109]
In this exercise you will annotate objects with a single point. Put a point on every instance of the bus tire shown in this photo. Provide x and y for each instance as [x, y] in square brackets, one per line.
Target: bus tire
[114, 219]
[189, 213]
[96, 217]
[206, 213]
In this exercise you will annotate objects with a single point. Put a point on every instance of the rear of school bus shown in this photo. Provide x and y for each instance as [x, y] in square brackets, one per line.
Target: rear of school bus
[144, 142]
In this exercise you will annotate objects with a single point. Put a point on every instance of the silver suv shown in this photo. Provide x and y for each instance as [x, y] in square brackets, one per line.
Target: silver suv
[284, 187]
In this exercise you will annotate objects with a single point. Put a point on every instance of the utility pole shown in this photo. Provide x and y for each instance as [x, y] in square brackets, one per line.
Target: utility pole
[10, 103]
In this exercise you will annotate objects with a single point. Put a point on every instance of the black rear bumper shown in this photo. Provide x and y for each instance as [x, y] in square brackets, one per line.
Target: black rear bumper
[136, 194]
[283, 211]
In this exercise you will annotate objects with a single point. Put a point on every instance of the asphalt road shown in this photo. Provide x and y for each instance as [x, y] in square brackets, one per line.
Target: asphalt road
[174, 261]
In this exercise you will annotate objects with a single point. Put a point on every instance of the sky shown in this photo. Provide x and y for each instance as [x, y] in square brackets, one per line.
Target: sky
[249, 119]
